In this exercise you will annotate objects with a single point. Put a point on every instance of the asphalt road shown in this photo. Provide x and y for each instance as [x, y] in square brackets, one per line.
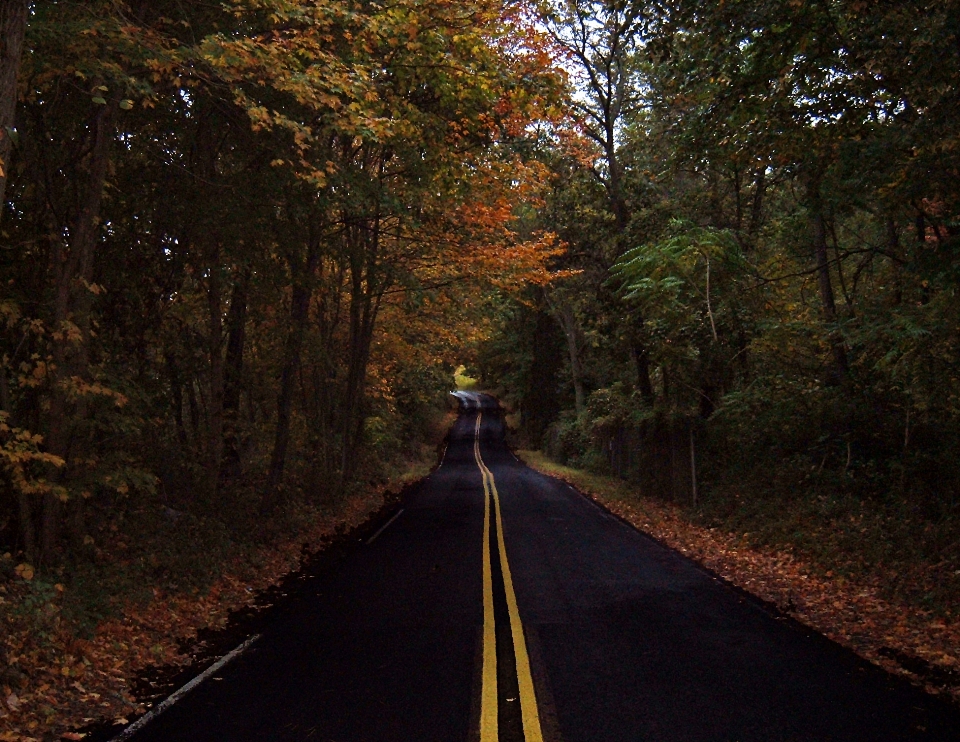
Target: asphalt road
[502, 605]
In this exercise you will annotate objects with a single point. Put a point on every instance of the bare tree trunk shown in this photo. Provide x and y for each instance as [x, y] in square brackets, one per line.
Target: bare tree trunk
[324, 379]
[615, 186]
[356, 378]
[13, 25]
[641, 359]
[73, 269]
[214, 448]
[838, 256]
[301, 294]
[819, 229]
[176, 391]
[194, 406]
[568, 322]
[756, 211]
[364, 306]
[230, 463]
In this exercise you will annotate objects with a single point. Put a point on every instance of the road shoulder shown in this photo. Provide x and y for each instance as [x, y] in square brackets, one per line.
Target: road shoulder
[898, 638]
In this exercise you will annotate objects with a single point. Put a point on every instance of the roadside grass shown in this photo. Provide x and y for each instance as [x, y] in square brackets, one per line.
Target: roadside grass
[609, 488]
[812, 558]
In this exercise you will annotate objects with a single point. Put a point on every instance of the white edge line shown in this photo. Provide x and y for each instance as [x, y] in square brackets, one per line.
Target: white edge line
[384, 526]
[172, 699]
[604, 513]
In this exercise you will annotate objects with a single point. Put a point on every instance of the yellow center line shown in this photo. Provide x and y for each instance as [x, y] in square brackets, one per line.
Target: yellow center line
[528, 698]
[488, 693]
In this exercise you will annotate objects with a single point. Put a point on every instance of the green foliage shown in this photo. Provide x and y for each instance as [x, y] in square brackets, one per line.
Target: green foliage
[241, 245]
[762, 217]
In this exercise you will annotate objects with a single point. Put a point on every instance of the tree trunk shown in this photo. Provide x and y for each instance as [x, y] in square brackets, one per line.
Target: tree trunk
[818, 226]
[568, 322]
[354, 416]
[641, 359]
[194, 406]
[324, 387]
[756, 211]
[176, 392]
[617, 202]
[13, 25]
[230, 464]
[364, 305]
[301, 293]
[73, 300]
[214, 447]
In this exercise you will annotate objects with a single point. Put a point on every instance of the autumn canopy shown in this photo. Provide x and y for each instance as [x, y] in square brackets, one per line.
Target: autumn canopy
[243, 237]
[708, 248]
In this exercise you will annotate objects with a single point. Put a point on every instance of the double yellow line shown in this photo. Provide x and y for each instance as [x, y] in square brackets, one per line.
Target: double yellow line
[488, 693]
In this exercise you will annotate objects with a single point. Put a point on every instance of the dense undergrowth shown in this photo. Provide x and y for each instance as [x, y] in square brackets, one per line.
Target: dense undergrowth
[893, 521]
[150, 577]
[759, 309]
[136, 546]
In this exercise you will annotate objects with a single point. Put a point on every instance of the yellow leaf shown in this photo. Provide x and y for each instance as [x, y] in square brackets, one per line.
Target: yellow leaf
[24, 570]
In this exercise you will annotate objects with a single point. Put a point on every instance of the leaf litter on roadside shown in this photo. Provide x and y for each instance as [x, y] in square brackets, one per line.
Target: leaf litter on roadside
[53, 683]
[902, 639]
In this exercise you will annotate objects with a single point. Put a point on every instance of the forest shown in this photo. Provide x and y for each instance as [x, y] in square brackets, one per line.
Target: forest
[710, 249]
[760, 216]
[241, 244]
[239, 241]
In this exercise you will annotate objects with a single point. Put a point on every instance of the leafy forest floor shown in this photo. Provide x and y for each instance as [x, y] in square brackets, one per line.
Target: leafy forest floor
[902, 638]
[56, 678]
